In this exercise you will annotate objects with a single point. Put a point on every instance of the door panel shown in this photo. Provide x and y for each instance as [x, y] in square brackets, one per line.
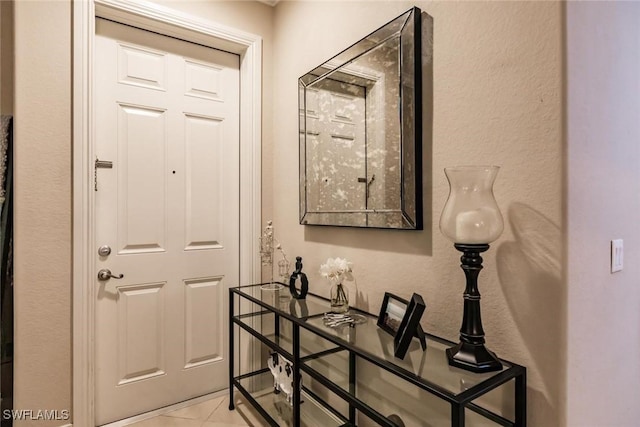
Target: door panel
[167, 115]
[141, 67]
[142, 190]
[203, 80]
[141, 331]
[203, 150]
[202, 313]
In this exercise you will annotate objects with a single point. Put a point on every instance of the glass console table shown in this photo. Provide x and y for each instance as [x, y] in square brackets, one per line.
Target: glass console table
[348, 376]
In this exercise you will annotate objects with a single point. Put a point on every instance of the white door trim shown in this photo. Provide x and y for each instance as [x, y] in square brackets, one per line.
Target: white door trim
[166, 21]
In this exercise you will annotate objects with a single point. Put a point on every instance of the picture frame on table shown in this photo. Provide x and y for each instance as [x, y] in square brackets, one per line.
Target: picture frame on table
[392, 312]
[409, 326]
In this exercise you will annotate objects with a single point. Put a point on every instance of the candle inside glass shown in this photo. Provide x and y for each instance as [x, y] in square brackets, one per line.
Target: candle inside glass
[471, 214]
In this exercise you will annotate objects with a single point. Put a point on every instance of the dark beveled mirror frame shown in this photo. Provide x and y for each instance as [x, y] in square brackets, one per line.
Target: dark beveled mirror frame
[403, 179]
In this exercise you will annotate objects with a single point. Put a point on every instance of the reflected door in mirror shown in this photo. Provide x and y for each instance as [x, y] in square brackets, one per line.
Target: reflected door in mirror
[336, 147]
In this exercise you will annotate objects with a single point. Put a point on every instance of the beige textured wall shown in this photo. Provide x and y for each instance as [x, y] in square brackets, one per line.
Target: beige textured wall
[497, 89]
[42, 207]
[603, 69]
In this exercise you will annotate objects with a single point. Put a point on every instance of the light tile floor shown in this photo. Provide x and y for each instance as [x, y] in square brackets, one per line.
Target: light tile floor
[211, 413]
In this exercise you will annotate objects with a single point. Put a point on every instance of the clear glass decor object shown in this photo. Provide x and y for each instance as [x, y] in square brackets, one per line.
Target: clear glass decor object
[471, 214]
[283, 269]
[268, 245]
[336, 270]
[339, 298]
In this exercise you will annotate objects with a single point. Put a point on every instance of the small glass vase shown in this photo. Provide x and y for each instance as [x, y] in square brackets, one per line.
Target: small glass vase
[339, 298]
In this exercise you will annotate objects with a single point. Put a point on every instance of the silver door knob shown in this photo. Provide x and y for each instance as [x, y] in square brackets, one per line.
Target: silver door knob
[105, 274]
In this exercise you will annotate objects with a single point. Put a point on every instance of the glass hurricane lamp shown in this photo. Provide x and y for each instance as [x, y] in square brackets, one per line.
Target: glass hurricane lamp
[471, 219]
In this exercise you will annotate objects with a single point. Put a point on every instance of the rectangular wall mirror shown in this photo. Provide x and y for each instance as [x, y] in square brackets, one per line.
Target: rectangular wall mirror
[361, 132]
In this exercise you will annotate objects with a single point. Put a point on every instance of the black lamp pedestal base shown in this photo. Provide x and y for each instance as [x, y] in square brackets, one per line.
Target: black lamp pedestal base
[470, 353]
[474, 358]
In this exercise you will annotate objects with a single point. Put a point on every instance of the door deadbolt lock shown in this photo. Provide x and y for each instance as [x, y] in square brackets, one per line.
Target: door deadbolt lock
[105, 274]
[104, 250]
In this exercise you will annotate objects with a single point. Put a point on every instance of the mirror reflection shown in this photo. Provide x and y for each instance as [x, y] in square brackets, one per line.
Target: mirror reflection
[360, 134]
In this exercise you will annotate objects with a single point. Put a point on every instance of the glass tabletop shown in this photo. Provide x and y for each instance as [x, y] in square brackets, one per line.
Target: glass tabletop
[430, 365]
[283, 303]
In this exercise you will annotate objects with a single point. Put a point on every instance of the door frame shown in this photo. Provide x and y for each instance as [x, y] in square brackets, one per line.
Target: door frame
[163, 20]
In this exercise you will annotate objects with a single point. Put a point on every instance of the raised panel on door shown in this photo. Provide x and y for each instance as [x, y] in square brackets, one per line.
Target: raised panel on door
[203, 191]
[141, 332]
[142, 186]
[204, 321]
[203, 80]
[138, 66]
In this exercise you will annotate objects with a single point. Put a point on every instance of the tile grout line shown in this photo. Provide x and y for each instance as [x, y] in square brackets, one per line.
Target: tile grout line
[215, 409]
[199, 418]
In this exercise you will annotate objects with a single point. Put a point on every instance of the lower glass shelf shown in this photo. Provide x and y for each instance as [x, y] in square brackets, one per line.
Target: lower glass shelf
[259, 387]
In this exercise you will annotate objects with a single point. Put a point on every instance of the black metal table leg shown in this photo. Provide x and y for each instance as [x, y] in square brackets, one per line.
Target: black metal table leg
[457, 415]
[296, 375]
[352, 386]
[231, 351]
[521, 399]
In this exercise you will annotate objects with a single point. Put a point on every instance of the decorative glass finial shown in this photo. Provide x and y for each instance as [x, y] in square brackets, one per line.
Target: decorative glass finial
[268, 246]
[283, 265]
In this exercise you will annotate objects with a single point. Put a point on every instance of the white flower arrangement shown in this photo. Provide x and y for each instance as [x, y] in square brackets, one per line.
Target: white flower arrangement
[336, 270]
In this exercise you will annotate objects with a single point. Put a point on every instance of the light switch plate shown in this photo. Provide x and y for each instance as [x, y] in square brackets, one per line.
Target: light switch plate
[617, 255]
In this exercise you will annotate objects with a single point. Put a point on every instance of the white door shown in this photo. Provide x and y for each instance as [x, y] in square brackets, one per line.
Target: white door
[167, 116]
